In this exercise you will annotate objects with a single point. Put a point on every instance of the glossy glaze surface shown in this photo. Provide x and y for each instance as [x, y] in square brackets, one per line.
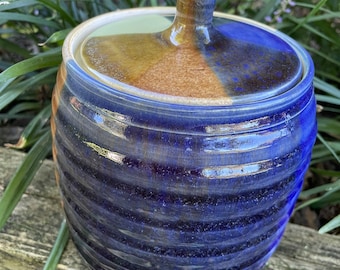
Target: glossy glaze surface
[153, 184]
[196, 57]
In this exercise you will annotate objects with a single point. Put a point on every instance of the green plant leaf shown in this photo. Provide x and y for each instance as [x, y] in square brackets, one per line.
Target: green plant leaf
[11, 93]
[23, 176]
[326, 87]
[8, 96]
[33, 129]
[51, 58]
[4, 64]
[5, 83]
[6, 116]
[331, 126]
[332, 196]
[321, 153]
[327, 16]
[315, 9]
[304, 195]
[24, 107]
[313, 30]
[322, 55]
[57, 36]
[328, 76]
[14, 48]
[267, 9]
[332, 224]
[12, 16]
[57, 7]
[17, 4]
[323, 172]
[153, 3]
[327, 99]
[329, 147]
[311, 6]
[326, 108]
[58, 247]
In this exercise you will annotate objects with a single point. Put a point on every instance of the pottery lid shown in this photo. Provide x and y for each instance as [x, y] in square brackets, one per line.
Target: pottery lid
[240, 60]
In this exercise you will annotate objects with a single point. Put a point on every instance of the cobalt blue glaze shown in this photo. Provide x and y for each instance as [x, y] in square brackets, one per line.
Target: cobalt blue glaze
[151, 184]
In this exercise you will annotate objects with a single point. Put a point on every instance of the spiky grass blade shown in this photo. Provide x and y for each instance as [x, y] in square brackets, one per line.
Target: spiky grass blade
[332, 224]
[50, 58]
[33, 129]
[329, 197]
[329, 147]
[328, 125]
[57, 7]
[315, 31]
[57, 36]
[322, 154]
[23, 176]
[14, 48]
[27, 18]
[304, 195]
[268, 8]
[17, 4]
[12, 92]
[24, 107]
[315, 9]
[327, 99]
[5, 83]
[326, 87]
[322, 55]
[58, 247]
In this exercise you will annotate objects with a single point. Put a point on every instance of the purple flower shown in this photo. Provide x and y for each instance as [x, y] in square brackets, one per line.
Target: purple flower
[279, 19]
[268, 19]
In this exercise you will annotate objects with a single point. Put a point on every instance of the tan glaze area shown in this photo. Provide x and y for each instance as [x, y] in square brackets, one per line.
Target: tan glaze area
[60, 81]
[168, 62]
[58, 87]
[153, 66]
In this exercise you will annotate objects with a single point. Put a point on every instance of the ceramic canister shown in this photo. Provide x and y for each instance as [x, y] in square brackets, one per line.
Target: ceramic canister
[154, 181]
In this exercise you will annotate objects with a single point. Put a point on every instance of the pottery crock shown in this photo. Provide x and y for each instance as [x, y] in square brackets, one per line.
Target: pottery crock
[154, 181]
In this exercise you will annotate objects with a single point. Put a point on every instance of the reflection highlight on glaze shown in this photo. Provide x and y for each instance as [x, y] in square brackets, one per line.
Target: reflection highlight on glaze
[114, 156]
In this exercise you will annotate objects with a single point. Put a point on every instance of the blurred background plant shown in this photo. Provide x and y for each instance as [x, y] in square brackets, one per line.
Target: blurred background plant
[31, 36]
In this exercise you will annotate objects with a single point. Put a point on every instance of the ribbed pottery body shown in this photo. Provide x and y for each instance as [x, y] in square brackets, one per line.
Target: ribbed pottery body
[149, 184]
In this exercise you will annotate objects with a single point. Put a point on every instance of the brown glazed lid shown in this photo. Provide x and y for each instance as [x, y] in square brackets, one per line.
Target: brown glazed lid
[193, 58]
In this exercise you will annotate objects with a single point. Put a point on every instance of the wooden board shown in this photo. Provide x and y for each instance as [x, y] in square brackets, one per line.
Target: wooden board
[29, 235]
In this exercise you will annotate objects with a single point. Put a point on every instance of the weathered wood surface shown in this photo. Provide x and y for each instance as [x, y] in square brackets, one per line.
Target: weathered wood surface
[28, 236]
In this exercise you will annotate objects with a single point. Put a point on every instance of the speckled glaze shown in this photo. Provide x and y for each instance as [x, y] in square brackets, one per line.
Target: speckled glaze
[196, 58]
[150, 181]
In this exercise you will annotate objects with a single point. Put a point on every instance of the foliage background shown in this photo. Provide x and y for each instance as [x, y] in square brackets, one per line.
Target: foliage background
[31, 36]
